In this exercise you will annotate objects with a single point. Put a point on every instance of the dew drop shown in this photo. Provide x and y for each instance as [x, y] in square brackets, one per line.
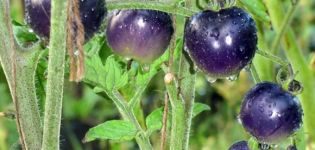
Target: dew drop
[196, 68]
[215, 33]
[31, 30]
[242, 49]
[261, 108]
[145, 67]
[239, 119]
[233, 77]
[274, 104]
[247, 67]
[211, 79]
[76, 53]
[269, 113]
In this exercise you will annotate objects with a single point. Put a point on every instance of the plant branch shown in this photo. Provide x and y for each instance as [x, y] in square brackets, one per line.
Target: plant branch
[284, 26]
[161, 6]
[254, 73]
[127, 114]
[266, 73]
[55, 79]
[164, 126]
[187, 82]
[273, 58]
[178, 117]
[19, 67]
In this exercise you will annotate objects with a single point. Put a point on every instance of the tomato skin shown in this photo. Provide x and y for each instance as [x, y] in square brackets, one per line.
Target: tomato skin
[221, 43]
[92, 13]
[143, 35]
[269, 113]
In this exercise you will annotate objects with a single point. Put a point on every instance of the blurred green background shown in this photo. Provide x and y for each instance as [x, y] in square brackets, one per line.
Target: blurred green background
[216, 129]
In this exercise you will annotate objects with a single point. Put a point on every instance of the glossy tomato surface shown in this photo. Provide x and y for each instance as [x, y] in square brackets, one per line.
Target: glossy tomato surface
[241, 145]
[269, 113]
[143, 35]
[221, 43]
[92, 13]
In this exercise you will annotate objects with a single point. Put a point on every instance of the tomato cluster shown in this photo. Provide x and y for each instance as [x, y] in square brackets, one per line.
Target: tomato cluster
[220, 43]
[92, 13]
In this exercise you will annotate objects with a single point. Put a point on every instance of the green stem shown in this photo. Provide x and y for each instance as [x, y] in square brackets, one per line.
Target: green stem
[273, 58]
[138, 93]
[178, 118]
[127, 113]
[19, 67]
[284, 26]
[266, 73]
[55, 79]
[161, 6]
[187, 92]
[298, 61]
[254, 73]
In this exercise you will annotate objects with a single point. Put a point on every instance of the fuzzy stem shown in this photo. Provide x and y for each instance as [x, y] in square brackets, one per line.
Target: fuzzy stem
[273, 58]
[161, 6]
[178, 118]
[164, 127]
[55, 79]
[187, 92]
[19, 67]
[255, 75]
[299, 63]
[284, 26]
[266, 73]
[127, 113]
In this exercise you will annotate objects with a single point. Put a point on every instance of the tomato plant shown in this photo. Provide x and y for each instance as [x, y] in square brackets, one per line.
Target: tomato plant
[158, 74]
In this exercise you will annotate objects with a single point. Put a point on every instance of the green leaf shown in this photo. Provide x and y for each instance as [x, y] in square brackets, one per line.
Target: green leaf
[109, 77]
[95, 70]
[23, 35]
[199, 108]
[154, 121]
[94, 45]
[112, 130]
[115, 78]
[257, 8]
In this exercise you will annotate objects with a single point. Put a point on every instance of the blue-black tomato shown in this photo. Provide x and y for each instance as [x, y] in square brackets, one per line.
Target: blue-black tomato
[143, 35]
[221, 43]
[92, 13]
[241, 145]
[292, 147]
[269, 113]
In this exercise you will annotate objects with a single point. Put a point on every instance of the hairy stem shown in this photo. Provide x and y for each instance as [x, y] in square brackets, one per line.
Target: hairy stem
[254, 73]
[266, 73]
[178, 118]
[273, 58]
[284, 26]
[127, 113]
[299, 63]
[161, 6]
[55, 79]
[19, 67]
[187, 92]
[164, 127]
